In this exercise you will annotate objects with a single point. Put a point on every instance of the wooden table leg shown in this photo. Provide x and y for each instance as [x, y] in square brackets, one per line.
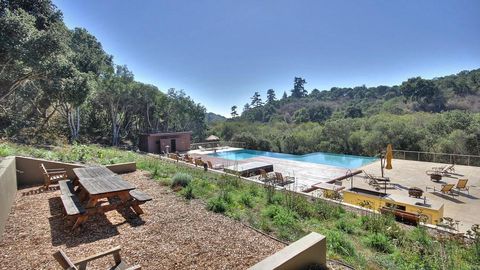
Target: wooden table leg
[125, 197]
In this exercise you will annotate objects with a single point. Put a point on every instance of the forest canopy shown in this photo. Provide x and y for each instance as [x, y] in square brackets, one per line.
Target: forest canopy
[59, 83]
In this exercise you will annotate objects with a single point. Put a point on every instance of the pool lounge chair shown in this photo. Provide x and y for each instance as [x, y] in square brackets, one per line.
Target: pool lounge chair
[462, 185]
[446, 170]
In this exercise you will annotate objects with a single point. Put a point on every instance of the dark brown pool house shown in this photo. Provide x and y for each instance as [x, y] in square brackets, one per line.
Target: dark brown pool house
[164, 142]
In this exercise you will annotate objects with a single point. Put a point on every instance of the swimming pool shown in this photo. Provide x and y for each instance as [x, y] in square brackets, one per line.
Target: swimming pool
[338, 160]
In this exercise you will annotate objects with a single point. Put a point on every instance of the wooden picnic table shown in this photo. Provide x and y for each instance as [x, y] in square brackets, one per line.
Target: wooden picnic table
[98, 183]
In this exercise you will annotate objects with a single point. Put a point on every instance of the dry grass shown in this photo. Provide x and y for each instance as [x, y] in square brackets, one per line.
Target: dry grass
[172, 234]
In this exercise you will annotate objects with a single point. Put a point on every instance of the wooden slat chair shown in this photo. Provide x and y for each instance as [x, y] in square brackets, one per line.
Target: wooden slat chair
[462, 185]
[281, 180]
[448, 189]
[264, 176]
[51, 176]
[67, 264]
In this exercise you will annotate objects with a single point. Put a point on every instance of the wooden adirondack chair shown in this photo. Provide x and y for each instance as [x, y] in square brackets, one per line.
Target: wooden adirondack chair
[51, 176]
[67, 264]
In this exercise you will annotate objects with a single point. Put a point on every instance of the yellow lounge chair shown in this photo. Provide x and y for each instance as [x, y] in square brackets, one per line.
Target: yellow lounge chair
[462, 185]
[448, 189]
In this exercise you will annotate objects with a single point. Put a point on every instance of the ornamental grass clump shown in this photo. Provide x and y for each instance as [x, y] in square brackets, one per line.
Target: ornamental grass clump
[181, 180]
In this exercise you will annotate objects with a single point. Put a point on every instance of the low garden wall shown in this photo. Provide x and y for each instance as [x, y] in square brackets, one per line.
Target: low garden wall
[310, 250]
[8, 189]
[29, 173]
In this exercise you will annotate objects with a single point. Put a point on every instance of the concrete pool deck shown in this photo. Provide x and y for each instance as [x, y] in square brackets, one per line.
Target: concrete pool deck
[405, 173]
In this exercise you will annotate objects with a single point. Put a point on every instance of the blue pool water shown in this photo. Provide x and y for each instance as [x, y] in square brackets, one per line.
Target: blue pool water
[338, 160]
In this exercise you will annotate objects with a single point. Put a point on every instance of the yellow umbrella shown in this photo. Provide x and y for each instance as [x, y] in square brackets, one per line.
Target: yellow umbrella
[389, 156]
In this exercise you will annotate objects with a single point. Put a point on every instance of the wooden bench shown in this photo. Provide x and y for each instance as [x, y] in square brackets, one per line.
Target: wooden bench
[140, 196]
[66, 263]
[66, 187]
[72, 205]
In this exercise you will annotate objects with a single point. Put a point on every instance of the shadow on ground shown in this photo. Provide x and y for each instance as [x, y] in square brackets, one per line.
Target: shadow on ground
[97, 227]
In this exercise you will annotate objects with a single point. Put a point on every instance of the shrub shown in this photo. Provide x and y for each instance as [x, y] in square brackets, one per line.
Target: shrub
[187, 192]
[325, 210]
[337, 243]
[247, 200]
[346, 226]
[379, 242]
[217, 205]
[181, 180]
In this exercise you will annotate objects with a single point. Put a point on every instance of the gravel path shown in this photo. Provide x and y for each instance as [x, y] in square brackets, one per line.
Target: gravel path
[172, 234]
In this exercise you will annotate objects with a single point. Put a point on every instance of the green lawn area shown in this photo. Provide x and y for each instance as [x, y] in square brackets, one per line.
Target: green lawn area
[363, 241]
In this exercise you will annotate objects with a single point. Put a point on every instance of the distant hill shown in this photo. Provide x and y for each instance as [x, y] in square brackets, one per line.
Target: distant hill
[454, 92]
[213, 117]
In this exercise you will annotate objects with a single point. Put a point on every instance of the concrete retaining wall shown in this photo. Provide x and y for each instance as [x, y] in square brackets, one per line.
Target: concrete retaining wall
[307, 251]
[8, 189]
[30, 174]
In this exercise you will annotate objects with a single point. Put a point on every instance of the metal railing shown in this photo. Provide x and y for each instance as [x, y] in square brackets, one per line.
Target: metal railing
[207, 145]
[469, 160]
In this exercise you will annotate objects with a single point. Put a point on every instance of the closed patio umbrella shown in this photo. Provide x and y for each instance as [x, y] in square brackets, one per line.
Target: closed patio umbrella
[389, 156]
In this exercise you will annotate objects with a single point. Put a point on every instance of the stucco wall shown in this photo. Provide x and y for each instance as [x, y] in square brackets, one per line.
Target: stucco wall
[8, 189]
[311, 249]
[30, 174]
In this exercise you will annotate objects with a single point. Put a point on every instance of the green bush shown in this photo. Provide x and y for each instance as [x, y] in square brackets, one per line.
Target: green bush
[187, 192]
[325, 210]
[246, 199]
[337, 243]
[379, 242]
[346, 226]
[217, 205]
[181, 180]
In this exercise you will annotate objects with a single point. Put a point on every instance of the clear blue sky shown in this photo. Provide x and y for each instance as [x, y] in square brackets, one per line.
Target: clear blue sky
[220, 52]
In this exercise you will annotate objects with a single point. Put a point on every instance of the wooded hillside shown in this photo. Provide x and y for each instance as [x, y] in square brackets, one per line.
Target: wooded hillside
[59, 84]
[439, 115]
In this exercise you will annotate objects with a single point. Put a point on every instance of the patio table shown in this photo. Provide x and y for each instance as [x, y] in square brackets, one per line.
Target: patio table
[96, 184]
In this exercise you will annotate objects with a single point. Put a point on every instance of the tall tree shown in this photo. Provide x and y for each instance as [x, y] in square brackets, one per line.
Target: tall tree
[234, 111]
[246, 107]
[256, 100]
[424, 92]
[270, 96]
[285, 96]
[298, 90]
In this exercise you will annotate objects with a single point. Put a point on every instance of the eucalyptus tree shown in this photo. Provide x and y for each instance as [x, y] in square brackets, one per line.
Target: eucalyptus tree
[298, 90]
[114, 94]
[234, 111]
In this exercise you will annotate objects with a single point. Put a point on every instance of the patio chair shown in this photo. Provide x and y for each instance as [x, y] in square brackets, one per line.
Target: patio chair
[280, 179]
[264, 176]
[214, 167]
[66, 263]
[462, 185]
[51, 176]
[448, 189]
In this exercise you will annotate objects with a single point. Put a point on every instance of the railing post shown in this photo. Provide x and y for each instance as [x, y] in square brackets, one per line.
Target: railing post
[404, 155]
[418, 157]
[468, 161]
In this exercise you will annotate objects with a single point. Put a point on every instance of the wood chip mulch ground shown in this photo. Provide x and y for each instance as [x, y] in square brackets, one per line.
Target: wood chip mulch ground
[172, 234]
